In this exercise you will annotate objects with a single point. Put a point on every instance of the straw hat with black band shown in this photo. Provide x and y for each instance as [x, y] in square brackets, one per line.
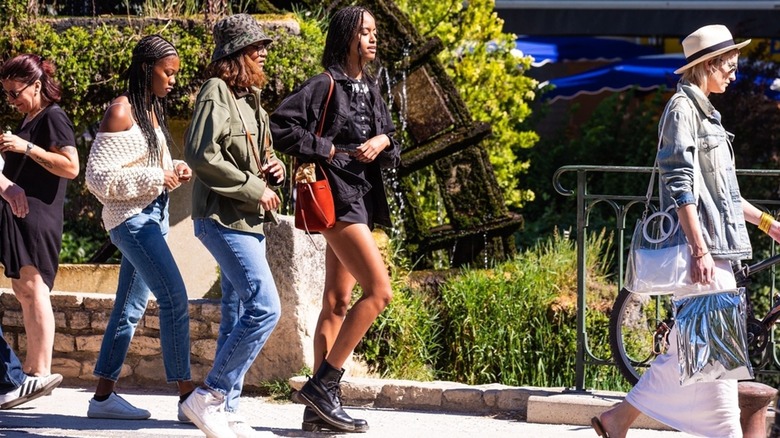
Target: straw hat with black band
[706, 43]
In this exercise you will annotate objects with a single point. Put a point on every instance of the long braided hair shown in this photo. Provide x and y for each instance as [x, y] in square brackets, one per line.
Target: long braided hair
[143, 101]
[344, 25]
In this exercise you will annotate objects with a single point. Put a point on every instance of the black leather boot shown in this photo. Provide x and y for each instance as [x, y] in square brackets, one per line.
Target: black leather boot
[313, 423]
[321, 394]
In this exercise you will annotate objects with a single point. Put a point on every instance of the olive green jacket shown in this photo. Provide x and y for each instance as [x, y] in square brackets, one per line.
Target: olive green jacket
[228, 184]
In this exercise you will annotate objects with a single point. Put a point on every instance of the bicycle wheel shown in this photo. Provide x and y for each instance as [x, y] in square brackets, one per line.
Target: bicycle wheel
[638, 329]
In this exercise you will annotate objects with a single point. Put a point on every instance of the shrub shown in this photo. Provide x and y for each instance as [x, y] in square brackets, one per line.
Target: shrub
[513, 324]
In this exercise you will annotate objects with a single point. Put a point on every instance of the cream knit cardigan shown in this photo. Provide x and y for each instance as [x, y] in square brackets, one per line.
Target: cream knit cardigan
[119, 175]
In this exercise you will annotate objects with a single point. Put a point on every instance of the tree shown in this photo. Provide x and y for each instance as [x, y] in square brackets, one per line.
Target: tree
[490, 78]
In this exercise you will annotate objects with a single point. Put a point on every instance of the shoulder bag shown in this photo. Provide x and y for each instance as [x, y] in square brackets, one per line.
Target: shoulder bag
[314, 208]
[659, 258]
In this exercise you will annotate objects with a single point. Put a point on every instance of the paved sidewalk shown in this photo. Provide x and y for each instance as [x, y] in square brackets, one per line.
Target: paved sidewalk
[63, 414]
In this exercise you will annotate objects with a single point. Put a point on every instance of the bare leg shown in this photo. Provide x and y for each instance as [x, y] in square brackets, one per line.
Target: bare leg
[106, 387]
[619, 419]
[357, 253]
[33, 295]
[335, 301]
[185, 386]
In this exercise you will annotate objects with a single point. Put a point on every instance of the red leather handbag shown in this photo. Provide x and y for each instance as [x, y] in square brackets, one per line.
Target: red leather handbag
[314, 209]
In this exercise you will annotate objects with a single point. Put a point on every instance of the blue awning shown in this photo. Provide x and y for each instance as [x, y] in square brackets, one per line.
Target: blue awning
[644, 73]
[561, 49]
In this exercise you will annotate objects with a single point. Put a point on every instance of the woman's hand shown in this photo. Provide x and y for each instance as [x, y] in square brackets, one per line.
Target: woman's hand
[17, 199]
[332, 153]
[171, 180]
[183, 172]
[12, 143]
[274, 171]
[368, 151]
[269, 200]
[702, 269]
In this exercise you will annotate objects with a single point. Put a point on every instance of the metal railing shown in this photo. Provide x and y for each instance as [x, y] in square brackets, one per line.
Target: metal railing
[620, 204]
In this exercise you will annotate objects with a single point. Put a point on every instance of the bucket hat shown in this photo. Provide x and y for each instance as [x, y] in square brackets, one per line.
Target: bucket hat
[235, 32]
[706, 43]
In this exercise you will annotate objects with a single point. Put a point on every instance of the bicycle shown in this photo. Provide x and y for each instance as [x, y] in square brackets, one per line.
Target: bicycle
[639, 325]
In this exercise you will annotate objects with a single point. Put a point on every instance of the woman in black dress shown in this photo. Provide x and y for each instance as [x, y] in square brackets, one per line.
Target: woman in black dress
[357, 141]
[40, 156]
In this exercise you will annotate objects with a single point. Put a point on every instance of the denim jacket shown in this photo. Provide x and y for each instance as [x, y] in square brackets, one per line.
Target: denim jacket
[691, 127]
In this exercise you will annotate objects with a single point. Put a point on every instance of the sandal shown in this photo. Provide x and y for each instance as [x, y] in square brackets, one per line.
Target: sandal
[595, 422]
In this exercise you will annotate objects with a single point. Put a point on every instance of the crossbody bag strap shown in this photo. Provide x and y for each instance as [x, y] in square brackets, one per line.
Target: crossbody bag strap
[656, 168]
[252, 146]
[321, 123]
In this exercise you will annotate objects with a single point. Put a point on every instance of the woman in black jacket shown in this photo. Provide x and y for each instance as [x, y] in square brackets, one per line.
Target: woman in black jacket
[357, 141]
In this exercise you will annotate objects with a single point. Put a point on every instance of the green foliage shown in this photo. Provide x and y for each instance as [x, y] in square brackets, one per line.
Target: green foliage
[278, 390]
[513, 324]
[622, 131]
[404, 341]
[77, 248]
[13, 10]
[293, 58]
[488, 76]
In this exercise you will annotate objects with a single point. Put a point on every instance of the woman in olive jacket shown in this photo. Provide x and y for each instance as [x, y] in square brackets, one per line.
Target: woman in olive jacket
[357, 141]
[228, 146]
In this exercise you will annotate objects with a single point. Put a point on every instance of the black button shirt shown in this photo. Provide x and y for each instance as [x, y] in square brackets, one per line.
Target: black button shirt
[358, 127]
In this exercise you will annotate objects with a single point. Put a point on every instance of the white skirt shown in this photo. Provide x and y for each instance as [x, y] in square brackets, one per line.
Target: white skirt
[708, 409]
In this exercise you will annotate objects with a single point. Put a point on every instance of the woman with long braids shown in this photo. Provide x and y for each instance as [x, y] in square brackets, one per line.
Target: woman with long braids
[40, 157]
[357, 141]
[131, 172]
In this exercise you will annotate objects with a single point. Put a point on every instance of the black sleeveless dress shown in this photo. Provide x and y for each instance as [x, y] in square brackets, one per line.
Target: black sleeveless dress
[36, 239]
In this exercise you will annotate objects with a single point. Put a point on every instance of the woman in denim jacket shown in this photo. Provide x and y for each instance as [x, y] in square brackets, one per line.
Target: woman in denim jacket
[712, 214]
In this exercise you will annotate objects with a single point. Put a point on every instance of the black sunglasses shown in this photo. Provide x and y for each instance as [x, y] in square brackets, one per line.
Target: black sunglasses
[15, 94]
[259, 47]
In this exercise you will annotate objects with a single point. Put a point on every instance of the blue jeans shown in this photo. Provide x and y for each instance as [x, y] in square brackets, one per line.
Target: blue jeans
[12, 376]
[250, 304]
[147, 266]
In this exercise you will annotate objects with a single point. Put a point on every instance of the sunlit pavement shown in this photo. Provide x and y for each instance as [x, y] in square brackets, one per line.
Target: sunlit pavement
[63, 414]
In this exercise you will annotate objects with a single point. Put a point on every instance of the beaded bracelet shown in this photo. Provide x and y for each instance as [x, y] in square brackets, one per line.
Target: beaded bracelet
[765, 222]
[698, 256]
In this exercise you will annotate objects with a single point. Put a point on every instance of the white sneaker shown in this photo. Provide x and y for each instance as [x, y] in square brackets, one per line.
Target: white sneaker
[117, 408]
[30, 389]
[181, 417]
[241, 427]
[204, 408]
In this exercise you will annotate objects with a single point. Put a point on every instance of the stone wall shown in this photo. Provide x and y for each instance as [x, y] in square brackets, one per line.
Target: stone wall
[297, 263]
